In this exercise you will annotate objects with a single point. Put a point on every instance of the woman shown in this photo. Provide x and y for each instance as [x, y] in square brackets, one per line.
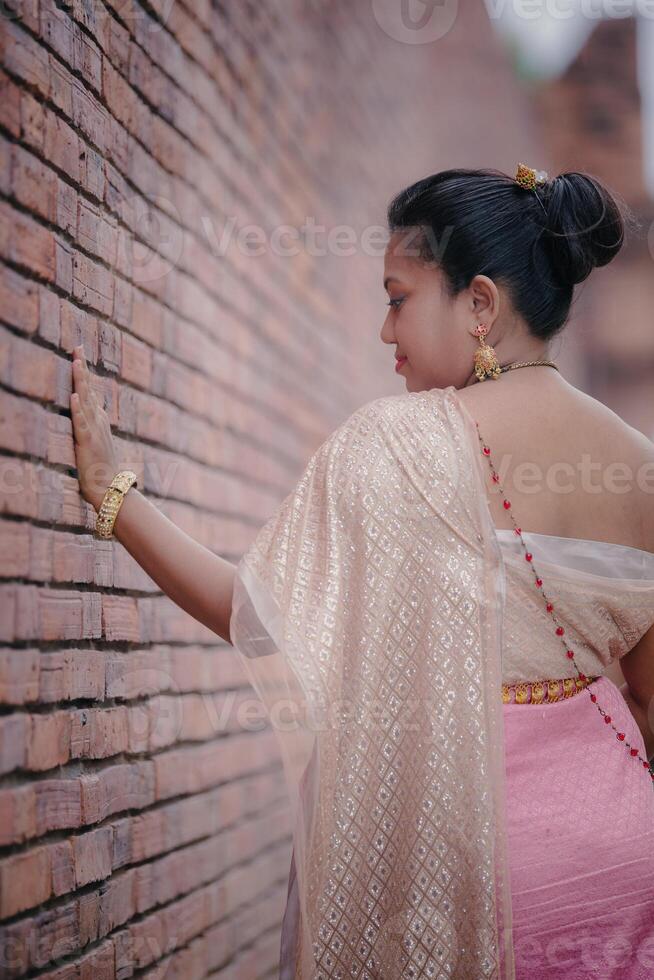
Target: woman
[451, 819]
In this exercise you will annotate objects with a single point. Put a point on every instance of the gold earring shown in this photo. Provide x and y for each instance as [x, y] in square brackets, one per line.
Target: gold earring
[486, 362]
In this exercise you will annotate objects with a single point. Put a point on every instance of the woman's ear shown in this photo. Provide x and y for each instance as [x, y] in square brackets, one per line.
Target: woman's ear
[485, 299]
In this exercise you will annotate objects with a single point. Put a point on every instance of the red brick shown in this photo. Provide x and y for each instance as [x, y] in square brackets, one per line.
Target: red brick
[34, 184]
[61, 145]
[123, 312]
[98, 964]
[63, 265]
[18, 814]
[25, 242]
[25, 881]
[56, 933]
[24, 57]
[57, 29]
[14, 734]
[74, 558]
[5, 166]
[8, 599]
[117, 788]
[10, 104]
[57, 804]
[62, 867]
[16, 942]
[41, 546]
[15, 543]
[149, 319]
[68, 675]
[117, 903]
[67, 615]
[97, 234]
[61, 85]
[32, 121]
[79, 327]
[21, 492]
[49, 743]
[98, 733]
[19, 675]
[120, 619]
[89, 115]
[87, 59]
[32, 369]
[122, 101]
[66, 207]
[109, 347]
[93, 284]
[92, 172]
[136, 361]
[22, 426]
[92, 854]
[117, 45]
[49, 326]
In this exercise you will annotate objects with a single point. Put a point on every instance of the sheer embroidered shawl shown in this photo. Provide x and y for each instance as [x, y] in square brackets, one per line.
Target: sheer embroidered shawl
[367, 613]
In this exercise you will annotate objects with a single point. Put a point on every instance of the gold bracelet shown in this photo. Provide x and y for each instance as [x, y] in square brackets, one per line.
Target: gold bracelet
[113, 498]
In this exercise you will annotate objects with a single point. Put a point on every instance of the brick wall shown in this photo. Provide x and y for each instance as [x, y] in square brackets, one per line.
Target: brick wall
[143, 823]
[592, 120]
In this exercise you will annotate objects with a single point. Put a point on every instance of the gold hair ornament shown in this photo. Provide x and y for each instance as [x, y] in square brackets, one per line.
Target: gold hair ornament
[530, 179]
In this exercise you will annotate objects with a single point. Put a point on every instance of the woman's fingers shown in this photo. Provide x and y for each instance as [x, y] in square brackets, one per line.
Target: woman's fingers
[82, 385]
[94, 449]
[80, 421]
[81, 379]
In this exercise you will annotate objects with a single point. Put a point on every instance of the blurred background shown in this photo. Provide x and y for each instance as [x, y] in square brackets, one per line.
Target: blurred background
[195, 190]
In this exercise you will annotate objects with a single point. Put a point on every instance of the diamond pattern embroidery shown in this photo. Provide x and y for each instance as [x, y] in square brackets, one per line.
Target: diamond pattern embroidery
[382, 584]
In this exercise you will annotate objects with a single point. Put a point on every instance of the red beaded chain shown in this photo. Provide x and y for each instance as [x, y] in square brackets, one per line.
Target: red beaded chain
[560, 631]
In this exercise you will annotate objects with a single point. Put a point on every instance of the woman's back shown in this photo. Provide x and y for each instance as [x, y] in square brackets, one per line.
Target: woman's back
[569, 465]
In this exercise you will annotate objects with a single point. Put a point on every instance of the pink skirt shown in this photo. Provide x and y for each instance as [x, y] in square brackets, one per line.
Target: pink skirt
[580, 839]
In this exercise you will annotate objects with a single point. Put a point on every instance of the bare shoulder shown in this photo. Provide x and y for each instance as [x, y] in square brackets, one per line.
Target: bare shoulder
[613, 424]
[621, 442]
[569, 424]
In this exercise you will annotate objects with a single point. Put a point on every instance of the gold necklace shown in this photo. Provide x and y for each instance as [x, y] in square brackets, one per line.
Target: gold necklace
[518, 364]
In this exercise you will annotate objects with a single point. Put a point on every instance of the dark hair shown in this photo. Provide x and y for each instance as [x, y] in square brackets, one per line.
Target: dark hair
[487, 224]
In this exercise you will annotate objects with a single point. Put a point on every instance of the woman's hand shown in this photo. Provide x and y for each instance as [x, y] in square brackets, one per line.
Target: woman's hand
[195, 578]
[95, 452]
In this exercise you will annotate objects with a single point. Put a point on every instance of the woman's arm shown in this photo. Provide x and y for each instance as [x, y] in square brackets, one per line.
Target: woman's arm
[191, 575]
[640, 714]
[199, 582]
[638, 670]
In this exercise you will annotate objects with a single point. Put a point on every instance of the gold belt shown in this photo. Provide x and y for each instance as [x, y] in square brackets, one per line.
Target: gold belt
[542, 692]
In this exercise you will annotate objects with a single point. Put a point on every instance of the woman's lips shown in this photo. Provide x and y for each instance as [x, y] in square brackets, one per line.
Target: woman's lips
[399, 362]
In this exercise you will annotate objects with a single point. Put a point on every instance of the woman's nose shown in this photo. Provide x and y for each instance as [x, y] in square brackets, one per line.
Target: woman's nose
[386, 332]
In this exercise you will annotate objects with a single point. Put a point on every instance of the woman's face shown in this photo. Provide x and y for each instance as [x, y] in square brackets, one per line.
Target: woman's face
[432, 331]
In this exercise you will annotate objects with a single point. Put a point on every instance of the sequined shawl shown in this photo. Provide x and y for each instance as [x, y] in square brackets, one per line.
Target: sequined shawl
[367, 613]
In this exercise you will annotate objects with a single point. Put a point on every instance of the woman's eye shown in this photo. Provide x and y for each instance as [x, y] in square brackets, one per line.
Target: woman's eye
[395, 302]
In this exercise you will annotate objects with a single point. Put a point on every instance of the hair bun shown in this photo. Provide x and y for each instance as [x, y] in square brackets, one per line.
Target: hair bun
[585, 226]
